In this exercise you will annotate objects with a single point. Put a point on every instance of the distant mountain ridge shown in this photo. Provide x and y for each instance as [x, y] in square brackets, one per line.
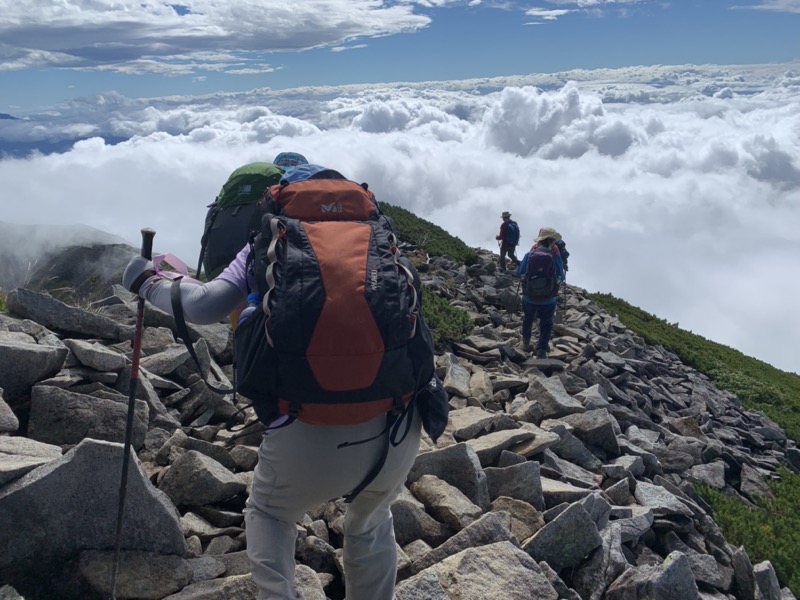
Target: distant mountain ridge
[25, 248]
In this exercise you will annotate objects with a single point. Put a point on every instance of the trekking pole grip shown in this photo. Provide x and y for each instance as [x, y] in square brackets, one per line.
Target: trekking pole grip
[147, 242]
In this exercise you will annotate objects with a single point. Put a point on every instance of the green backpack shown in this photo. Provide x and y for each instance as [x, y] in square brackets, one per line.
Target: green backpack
[233, 215]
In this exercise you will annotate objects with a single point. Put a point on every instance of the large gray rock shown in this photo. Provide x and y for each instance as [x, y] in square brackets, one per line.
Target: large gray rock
[521, 481]
[412, 522]
[672, 580]
[197, 479]
[70, 505]
[458, 465]
[549, 392]
[445, 502]
[596, 428]
[490, 528]
[141, 575]
[18, 455]
[96, 356]
[64, 417]
[566, 540]
[23, 363]
[498, 570]
[55, 315]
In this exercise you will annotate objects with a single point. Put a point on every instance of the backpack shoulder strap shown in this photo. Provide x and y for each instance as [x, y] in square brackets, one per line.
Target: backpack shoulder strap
[183, 333]
[213, 211]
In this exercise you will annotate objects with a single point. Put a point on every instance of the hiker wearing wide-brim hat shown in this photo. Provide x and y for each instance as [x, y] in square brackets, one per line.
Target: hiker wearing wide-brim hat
[542, 273]
[546, 233]
[508, 238]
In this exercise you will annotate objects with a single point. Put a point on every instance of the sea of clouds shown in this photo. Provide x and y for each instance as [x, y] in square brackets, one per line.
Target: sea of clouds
[676, 188]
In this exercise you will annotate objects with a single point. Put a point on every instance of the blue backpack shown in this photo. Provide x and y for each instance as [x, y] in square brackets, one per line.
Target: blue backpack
[512, 233]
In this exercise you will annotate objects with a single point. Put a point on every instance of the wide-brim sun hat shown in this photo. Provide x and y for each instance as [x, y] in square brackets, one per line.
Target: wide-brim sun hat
[547, 232]
[505, 214]
[290, 159]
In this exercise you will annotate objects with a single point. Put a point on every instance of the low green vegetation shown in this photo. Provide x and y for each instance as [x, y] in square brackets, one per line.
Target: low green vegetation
[429, 237]
[760, 386]
[3, 305]
[446, 322]
[770, 531]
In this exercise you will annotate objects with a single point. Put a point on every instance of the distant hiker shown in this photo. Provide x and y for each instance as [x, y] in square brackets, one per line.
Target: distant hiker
[562, 250]
[289, 159]
[338, 362]
[508, 238]
[235, 211]
[541, 272]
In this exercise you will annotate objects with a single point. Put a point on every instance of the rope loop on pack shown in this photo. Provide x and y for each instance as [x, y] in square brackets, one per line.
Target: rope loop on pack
[414, 297]
[278, 230]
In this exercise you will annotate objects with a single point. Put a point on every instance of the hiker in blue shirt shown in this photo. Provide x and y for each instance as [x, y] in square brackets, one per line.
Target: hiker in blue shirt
[540, 286]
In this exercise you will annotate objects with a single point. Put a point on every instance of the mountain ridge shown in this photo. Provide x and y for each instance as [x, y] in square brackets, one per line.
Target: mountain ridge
[504, 408]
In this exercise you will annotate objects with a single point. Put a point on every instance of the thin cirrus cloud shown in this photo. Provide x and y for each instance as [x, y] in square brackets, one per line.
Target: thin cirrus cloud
[676, 188]
[782, 6]
[546, 14]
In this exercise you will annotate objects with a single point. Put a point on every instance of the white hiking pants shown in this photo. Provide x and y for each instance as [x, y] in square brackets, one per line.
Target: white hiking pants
[299, 468]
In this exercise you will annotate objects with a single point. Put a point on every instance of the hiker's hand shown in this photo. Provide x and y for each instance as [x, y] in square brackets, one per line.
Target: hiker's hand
[138, 271]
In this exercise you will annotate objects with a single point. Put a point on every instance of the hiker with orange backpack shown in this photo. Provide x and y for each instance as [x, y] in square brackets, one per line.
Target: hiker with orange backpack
[541, 273]
[343, 405]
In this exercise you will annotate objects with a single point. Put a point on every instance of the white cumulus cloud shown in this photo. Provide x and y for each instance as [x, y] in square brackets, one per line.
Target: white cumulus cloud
[680, 199]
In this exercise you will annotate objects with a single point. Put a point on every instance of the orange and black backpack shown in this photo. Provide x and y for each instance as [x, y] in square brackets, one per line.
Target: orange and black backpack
[339, 338]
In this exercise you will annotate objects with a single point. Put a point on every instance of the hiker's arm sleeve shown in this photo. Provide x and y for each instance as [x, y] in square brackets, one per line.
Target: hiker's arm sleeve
[502, 233]
[523, 265]
[203, 303]
[237, 273]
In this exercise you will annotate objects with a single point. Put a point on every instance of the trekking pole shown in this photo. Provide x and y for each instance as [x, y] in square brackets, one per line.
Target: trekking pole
[147, 252]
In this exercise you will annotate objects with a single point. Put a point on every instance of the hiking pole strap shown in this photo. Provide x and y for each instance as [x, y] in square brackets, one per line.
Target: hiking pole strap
[183, 333]
[147, 252]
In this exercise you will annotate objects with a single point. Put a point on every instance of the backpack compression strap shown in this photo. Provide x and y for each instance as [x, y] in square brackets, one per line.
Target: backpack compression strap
[394, 418]
[278, 231]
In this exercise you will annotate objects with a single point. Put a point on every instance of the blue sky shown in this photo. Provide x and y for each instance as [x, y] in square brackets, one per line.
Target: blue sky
[144, 49]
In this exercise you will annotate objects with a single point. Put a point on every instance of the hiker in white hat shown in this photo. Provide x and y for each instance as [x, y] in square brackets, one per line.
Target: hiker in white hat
[542, 273]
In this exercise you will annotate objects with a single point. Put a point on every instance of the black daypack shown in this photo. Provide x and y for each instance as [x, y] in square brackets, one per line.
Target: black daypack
[233, 215]
[562, 249]
[541, 278]
[340, 338]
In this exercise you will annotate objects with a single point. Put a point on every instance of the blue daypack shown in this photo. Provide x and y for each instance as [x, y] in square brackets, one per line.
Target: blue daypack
[512, 233]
